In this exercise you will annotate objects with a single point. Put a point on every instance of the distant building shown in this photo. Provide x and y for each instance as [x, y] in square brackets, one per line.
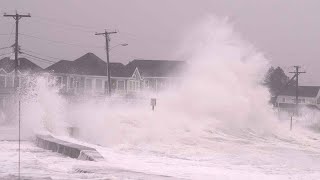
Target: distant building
[7, 72]
[156, 75]
[88, 75]
[307, 96]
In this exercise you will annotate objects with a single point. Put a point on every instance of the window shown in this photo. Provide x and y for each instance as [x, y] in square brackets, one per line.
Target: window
[2, 81]
[59, 81]
[9, 81]
[98, 84]
[121, 85]
[88, 83]
[300, 100]
[283, 99]
[18, 81]
[71, 83]
[131, 85]
[2, 103]
[163, 83]
[146, 83]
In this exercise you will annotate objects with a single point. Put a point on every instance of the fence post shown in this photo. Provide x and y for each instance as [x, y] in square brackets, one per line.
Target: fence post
[291, 123]
[153, 103]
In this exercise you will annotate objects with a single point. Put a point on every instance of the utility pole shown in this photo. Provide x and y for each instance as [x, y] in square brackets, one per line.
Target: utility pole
[296, 73]
[106, 35]
[17, 17]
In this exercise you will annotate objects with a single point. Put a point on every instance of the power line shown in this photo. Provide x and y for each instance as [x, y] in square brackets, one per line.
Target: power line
[9, 38]
[131, 35]
[57, 22]
[58, 42]
[64, 23]
[5, 23]
[11, 33]
[70, 28]
[40, 54]
[5, 48]
[38, 60]
[5, 54]
[38, 57]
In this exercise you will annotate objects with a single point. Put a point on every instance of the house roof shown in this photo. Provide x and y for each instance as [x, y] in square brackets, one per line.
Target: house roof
[25, 65]
[304, 91]
[88, 64]
[155, 68]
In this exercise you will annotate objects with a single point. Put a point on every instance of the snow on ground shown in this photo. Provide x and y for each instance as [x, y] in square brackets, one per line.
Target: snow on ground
[295, 155]
[37, 163]
[225, 160]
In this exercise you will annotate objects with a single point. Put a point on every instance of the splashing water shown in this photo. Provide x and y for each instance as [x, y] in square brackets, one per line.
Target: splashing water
[217, 124]
[220, 89]
[220, 96]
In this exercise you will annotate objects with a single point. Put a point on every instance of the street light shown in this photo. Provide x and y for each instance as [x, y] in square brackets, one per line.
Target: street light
[108, 65]
[124, 44]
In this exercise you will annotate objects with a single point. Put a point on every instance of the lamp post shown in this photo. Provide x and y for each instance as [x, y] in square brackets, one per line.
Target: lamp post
[108, 66]
[106, 35]
[124, 44]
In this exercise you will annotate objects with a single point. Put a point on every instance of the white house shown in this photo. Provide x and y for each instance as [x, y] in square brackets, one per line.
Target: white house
[307, 96]
[156, 75]
[7, 73]
[88, 75]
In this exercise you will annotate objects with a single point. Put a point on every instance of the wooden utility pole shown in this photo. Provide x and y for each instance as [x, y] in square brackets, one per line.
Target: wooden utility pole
[106, 35]
[17, 17]
[296, 73]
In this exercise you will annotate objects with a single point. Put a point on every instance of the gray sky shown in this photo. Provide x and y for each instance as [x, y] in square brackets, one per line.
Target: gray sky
[287, 31]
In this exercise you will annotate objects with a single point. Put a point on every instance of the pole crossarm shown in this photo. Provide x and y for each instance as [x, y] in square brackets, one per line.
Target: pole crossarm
[17, 16]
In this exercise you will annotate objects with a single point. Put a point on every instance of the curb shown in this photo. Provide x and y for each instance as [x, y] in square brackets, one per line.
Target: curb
[69, 149]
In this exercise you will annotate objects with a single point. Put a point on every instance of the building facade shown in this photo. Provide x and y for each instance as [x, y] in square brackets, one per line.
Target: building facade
[307, 96]
[7, 90]
[157, 75]
[88, 75]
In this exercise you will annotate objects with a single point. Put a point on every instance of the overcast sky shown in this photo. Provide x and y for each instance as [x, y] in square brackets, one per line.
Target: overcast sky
[287, 31]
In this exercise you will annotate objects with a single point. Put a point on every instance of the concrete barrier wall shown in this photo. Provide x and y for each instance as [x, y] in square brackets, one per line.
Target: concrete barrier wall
[67, 148]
